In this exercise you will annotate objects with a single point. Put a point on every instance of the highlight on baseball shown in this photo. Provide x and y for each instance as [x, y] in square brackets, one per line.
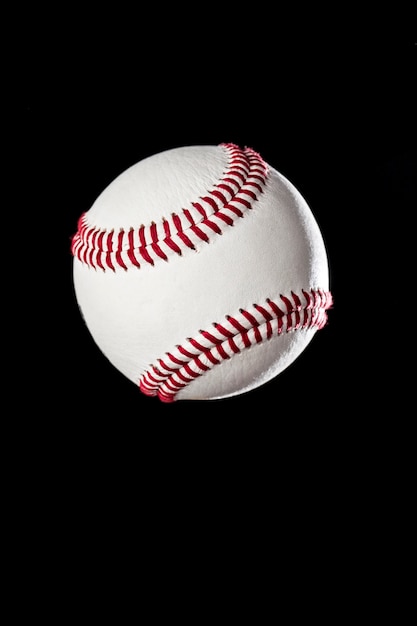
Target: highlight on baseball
[201, 272]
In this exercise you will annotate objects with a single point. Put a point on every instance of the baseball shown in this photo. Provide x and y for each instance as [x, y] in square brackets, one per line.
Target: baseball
[201, 272]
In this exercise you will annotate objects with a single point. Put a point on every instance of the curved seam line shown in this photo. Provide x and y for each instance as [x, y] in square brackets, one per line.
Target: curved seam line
[191, 360]
[96, 248]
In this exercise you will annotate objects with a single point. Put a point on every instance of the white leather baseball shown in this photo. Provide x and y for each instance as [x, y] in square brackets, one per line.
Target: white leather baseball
[201, 272]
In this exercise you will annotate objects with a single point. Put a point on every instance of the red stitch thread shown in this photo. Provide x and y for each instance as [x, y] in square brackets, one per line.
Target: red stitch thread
[142, 239]
[171, 374]
[145, 254]
[200, 209]
[241, 185]
[225, 218]
[130, 251]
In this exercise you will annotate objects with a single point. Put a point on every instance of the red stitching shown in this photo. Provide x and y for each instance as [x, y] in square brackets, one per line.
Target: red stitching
[248, 327]
[229, 199]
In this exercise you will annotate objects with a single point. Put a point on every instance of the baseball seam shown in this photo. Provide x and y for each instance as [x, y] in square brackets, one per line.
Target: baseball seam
[249, 327]
[229, 199]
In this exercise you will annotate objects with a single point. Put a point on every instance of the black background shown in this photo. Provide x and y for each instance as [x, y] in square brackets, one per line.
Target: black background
[312, 461]
[334, 115]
